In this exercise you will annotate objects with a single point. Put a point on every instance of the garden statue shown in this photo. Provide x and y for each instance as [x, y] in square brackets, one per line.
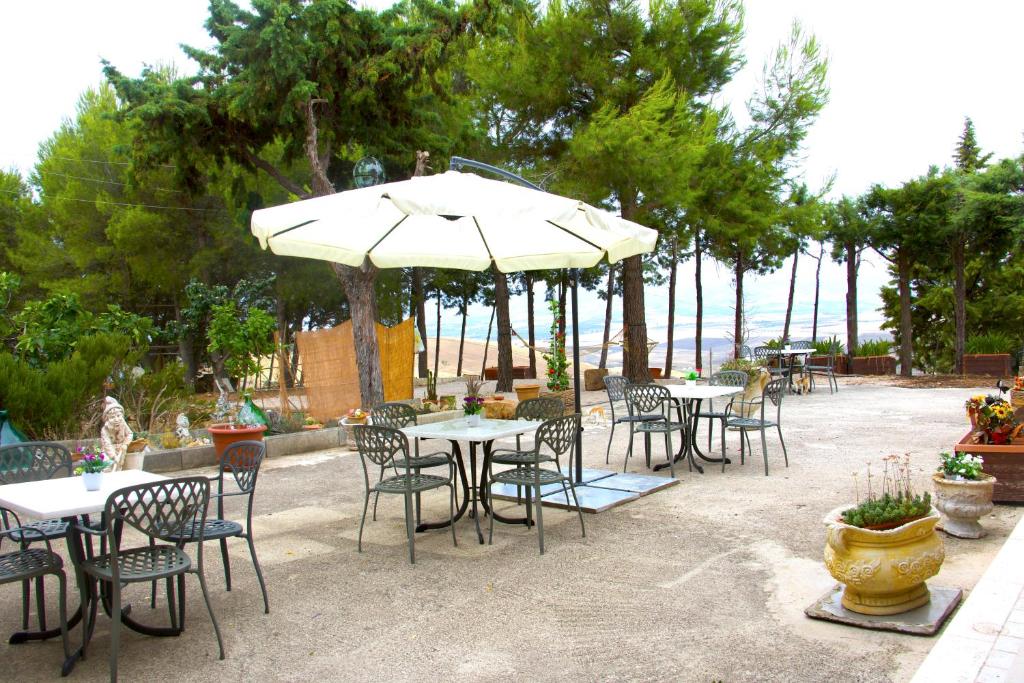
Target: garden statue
[116, 434]
[182, 432]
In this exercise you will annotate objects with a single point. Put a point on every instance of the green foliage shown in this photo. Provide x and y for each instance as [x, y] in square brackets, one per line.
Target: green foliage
[558, 376]
[751, 367]
[50, 402]
[240, 339]
[825, 347]
[962, 465]
[992, 342]
[888, 510]
[431, 386]
[873, 347]
[151, 400]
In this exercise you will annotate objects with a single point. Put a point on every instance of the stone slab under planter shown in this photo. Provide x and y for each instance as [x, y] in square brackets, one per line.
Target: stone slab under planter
[923, 621]
[873, 365]
[1004, 462]
[993, 364]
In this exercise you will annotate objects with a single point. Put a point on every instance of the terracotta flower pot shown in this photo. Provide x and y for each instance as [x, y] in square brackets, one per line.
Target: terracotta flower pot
[223, 435]
[962, 502]
[884, 572]
[527, 391]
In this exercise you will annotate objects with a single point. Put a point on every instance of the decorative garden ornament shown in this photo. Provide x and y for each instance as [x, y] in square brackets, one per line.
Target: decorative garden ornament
[116, 434]
[183, 432]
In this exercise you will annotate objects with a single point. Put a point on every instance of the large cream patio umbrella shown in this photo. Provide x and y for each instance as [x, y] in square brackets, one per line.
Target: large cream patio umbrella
[454, 220]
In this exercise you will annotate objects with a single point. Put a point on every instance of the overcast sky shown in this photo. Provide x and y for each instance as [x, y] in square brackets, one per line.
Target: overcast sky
[902, 74]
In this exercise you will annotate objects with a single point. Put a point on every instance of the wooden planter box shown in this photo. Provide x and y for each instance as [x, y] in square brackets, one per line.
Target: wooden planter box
[840, 366]
[994, 364]
[593, 379]
[873, 365]
[518, 372]
[1005, 463]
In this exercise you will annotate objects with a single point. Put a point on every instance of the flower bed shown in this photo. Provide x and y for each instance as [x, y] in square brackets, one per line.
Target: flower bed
[1005, 462]
[873, 365]
[994, 364]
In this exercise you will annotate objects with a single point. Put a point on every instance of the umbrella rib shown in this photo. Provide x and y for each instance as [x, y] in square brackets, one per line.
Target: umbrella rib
[294, 227]
[385, 235]
[581, 239]
[483, 239]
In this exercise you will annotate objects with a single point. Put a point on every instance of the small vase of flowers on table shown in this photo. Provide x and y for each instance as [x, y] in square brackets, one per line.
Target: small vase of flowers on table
[691, 378]
[91, 464]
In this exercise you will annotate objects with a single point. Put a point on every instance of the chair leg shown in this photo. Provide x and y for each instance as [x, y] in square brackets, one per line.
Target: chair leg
[671, 455]
[490, 529]
[647, 448]
[115, 627]
[785, 455]
[366, 503]
[62, 607]
[259, 571]
[629, 450]
[540, 521]
[409, 531]
[181, 601]
[227, 562]
[608, 451]
[26, 597]
[376, 494]
[579, 510]
[451, 513]
[171, 602]
[152, 589]
[40, 603]
[723, 442]
[764, 451]
[209, 608]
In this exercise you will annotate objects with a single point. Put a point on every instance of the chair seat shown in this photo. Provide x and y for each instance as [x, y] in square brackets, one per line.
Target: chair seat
[659, 427]
[417, 482]
[28, 563]
[141, 564]
[750, 423]
[49, 528]
[507, 456]
[819, 368]
[213, 530]
[712, 413]
[528, 475]
[422, 461]
[637, 418]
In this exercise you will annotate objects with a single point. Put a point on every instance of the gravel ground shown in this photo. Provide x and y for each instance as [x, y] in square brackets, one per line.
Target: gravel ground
[704, 581]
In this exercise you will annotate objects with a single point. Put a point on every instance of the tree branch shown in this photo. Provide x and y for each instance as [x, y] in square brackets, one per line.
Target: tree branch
[271, 170]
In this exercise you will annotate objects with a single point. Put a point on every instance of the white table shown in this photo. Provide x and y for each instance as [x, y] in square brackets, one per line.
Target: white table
[459, 430]
[690, 396]
[67, 498]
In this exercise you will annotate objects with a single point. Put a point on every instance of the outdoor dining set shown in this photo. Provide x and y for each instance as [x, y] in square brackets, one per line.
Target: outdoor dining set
[150, 528]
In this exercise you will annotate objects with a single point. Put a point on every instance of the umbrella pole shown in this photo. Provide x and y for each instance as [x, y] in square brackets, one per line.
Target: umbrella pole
[575, 275]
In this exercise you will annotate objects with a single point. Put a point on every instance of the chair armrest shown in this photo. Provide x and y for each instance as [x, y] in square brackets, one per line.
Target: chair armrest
[25, 533]
[85, 529]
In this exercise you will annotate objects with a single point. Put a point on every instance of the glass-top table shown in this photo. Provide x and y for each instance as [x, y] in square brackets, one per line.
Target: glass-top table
[485, 433]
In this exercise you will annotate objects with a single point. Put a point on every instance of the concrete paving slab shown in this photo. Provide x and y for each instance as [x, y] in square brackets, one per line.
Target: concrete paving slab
[644, 484]
[591, 498]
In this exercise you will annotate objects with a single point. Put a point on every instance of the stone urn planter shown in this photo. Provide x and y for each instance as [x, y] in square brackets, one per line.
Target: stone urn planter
[884, 572]
[962, 502]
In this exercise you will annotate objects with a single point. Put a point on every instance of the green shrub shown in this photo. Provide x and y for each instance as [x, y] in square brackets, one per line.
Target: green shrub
[888, 509]
[751, 367]
[992, 342]
[824, 347]
[873, 347]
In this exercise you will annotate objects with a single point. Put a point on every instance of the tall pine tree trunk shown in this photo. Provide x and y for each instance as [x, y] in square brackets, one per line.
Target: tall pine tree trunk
[421, 318]
[462, 335]
[737, 328]
[634, 318]
[699, 287]
[603, 363]
[817, 292]
[959, 303]
[504, 332]
[671, 307]
[851, 302]
[563, 286]
[789, 302]
[363, 307]
[437, 336]
[531, 326]
[487, 344]
[906, 324]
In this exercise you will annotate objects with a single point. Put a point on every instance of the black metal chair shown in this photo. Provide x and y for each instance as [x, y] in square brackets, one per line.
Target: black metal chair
[25, 564]
[772, 360]
[723, 378]
[559, 436]
[652, 400]
[242, 459]
[159, 510]
[745, 352]
[35, 461]
[384, 447]
[772, 392]
[828, 369]
[616, 389]
[539, 409]
[398, 415]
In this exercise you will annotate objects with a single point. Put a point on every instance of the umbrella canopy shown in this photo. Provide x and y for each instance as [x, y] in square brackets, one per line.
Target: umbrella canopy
[450, 220]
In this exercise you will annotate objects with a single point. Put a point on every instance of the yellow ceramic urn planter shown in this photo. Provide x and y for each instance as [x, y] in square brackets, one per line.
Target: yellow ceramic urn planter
[884, 572]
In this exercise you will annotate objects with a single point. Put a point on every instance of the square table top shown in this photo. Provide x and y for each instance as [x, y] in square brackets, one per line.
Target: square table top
[701, 391]
[793, 352]
[67, 497]
[459, 430]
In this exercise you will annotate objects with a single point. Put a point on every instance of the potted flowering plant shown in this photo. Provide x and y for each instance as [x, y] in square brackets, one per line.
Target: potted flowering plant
[691, 377]
[963, 493]
[91, 464]
[558, 375]
[992, 418]
[472, 406]
[1017, 395]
